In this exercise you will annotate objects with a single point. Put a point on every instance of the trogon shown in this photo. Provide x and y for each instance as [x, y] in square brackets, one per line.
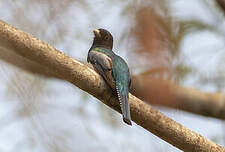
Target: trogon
[112, 68]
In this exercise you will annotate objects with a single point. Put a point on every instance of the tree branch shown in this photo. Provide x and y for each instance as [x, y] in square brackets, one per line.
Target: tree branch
[221, 3]
[64, 67]
[164, 93]
[153, 91]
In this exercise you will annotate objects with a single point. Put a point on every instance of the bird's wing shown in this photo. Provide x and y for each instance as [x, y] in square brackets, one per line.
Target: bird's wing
[103, 64]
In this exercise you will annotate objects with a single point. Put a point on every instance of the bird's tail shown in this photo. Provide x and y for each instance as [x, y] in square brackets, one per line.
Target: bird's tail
[122, 93]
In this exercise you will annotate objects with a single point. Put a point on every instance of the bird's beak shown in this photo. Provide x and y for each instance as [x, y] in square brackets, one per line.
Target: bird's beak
[97, 33]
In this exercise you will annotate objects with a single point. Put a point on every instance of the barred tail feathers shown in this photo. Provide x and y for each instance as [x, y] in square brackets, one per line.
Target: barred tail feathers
[123, 96]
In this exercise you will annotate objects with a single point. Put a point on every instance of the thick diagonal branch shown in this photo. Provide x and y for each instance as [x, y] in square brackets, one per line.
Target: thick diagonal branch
[64, 67]
[153, 91]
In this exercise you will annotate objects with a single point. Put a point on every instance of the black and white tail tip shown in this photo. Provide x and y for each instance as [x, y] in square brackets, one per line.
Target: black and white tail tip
[124, 107]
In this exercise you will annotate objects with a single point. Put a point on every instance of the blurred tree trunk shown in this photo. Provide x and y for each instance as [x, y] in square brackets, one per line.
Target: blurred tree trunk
[165, 93]
[66, 68]
[222, 4]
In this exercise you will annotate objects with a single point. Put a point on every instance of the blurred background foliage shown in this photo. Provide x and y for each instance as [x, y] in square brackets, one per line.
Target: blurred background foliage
[155, 37]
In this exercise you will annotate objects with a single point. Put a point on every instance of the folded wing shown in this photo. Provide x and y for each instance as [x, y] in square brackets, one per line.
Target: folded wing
[103, 65]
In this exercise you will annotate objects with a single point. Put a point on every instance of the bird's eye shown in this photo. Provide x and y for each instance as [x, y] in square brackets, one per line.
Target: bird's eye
[106, 38]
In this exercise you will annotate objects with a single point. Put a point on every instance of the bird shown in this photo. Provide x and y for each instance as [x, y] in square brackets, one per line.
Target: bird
[113, 69]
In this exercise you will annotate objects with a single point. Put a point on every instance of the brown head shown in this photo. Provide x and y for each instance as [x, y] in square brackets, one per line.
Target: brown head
[103, 39]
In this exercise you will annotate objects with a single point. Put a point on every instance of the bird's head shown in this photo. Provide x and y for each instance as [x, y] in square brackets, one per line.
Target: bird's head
[103, 38]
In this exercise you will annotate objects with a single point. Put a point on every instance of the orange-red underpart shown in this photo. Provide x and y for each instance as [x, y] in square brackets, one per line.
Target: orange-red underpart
[95, 69]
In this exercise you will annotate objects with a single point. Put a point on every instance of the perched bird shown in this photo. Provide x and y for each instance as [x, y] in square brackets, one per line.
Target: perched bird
[112, 68]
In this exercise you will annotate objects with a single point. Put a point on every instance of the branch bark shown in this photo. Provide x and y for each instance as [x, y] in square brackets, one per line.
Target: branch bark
[165, 93]
[66, 68]
[153, 91]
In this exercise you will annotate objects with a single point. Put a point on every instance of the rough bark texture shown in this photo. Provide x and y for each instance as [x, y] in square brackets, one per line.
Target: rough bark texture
[153, 91]
[64, 67]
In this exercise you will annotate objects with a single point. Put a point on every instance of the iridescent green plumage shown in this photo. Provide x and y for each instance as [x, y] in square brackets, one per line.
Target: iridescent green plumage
[112, 68]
